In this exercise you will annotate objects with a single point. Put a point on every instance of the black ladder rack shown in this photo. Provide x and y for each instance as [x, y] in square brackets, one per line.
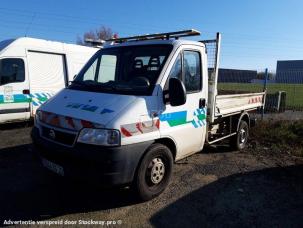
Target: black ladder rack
[157, 36]
[95, 43]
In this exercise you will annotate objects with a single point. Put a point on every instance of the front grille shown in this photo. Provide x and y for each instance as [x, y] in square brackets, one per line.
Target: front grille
[58, 136]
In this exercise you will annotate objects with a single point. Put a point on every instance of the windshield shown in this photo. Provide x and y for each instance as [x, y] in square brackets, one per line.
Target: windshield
[125, 70]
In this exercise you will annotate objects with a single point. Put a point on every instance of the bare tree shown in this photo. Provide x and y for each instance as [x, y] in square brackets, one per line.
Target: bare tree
[102, 33]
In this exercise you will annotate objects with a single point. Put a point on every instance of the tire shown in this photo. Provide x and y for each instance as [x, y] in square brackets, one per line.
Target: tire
[239, 141]
[154, 172]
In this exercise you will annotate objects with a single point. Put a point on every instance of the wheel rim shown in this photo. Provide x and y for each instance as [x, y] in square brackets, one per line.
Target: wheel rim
[243, 136]
[156, 171]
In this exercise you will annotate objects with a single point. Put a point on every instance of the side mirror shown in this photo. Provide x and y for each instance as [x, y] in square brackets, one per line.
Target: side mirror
[177, 92]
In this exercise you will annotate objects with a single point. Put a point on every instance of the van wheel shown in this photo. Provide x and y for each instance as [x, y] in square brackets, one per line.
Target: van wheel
[154, 172]
[239, 141]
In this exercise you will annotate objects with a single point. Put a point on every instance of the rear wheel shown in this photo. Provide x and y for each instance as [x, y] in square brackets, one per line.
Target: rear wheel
[154, 172]
[239, 141]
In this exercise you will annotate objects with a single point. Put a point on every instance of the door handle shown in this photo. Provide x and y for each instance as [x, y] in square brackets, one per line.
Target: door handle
[202, 103]
[26, 91]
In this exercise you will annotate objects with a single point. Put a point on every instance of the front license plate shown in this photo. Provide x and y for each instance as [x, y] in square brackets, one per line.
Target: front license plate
[53, 167]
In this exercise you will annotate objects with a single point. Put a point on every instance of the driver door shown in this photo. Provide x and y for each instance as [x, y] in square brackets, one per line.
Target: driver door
[186, 124]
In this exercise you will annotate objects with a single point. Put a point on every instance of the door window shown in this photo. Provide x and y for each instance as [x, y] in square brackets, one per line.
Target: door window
[189, 71]
[11, 70]
[176, 71]
[192, 71]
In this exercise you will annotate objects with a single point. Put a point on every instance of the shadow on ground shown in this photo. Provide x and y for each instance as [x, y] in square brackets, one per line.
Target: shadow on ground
[217, 149]
[271, 197]
[29, 192]
[17, 125]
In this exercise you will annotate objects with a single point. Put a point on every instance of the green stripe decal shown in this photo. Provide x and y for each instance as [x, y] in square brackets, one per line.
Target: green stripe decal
[36, 99]
[18, 98]
[175, 118]
[180, 118]
[202, 117]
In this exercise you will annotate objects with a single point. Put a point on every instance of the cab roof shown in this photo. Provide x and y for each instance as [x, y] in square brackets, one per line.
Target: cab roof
[175, 43]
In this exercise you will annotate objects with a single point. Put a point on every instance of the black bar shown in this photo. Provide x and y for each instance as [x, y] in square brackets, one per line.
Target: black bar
[167, 35]
[16, 110]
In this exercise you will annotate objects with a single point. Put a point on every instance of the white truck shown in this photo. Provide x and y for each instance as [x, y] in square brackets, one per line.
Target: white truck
[140, 104]
[32, 71]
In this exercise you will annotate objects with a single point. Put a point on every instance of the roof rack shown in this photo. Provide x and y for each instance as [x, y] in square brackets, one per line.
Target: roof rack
[158, 36]
[95, 43]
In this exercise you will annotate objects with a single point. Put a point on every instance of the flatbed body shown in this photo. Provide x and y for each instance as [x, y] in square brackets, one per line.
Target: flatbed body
[236, 103]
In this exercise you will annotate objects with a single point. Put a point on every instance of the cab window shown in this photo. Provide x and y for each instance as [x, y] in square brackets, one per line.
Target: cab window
[11, 71]
[176, 71]
[187, 68]
[192, 71]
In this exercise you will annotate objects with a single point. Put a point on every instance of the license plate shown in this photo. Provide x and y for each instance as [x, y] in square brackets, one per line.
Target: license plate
[53, 167]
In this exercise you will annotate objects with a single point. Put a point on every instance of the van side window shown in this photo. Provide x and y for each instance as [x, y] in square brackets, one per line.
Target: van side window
[192, 71]
[11, 70]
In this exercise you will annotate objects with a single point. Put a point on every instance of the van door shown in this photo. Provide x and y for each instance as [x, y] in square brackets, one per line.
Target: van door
[47, 75]
[186, 124]
[14, 89]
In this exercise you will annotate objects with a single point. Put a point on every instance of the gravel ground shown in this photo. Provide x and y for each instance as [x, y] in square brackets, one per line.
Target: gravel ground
[287, 115]
[214, 188]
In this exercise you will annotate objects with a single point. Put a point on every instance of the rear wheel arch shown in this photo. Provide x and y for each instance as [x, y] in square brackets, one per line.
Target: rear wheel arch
[241, 125]
[245, 117]
[236, 121]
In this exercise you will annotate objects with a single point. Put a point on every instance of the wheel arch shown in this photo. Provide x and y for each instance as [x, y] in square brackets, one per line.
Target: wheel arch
[164, 141]
[245, 117]
[236, 120]
[170, 143]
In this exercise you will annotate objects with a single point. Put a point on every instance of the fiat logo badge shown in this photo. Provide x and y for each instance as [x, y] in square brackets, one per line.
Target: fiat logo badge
[52, 134]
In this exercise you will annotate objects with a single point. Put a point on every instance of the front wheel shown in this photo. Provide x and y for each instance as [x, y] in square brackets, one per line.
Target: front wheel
[154, 172]
[239, 141]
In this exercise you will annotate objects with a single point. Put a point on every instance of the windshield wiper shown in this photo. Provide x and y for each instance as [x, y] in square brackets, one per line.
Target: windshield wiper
[109, 86]
[123, 87]
[78, 82]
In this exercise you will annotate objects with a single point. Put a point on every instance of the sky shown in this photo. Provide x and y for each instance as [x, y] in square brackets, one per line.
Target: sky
[255, 33]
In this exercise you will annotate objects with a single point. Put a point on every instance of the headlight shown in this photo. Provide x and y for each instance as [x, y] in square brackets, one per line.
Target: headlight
[103, 137]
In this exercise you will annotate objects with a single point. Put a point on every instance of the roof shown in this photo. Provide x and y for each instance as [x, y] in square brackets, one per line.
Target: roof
[283, 65]
[40, 44]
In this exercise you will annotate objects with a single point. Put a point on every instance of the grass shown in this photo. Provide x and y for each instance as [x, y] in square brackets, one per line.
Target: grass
[280, 136]
[294, 92]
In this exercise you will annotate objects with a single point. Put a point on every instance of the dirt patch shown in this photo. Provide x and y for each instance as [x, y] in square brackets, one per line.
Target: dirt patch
[278, 138]
[215, 188]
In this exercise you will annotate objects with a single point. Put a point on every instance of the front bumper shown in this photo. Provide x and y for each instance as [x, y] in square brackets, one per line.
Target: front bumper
[107, 165]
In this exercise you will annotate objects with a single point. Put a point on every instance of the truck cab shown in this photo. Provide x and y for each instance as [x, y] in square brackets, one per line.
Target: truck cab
[136, 107]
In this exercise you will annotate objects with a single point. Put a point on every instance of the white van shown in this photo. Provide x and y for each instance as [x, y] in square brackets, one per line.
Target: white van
[32, 71]
[138, 106]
